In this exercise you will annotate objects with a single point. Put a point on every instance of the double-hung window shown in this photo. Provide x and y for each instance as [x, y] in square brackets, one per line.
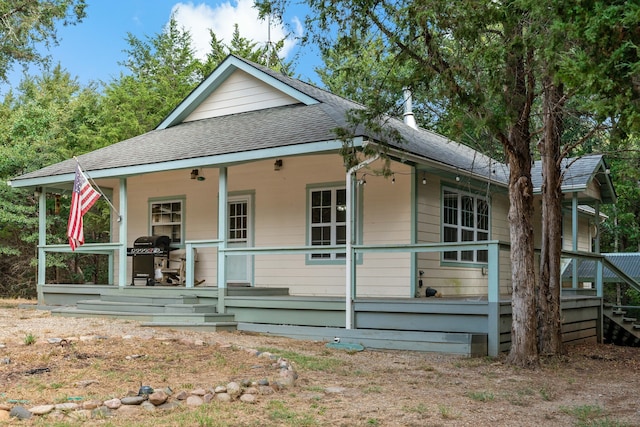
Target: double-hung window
[327, 220]
[465, 218]
[167, 219]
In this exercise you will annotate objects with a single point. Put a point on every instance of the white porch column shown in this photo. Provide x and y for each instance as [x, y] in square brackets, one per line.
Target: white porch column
[350, 266]
[574, 238]
[222, 236]
[122, 234]
[42, 242]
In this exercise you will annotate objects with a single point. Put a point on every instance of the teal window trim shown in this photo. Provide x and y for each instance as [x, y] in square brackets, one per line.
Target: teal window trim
[183, 216]
[333, 186]
[460, 225]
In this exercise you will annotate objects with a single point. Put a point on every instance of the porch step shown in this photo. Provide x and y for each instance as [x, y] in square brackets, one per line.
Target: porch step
[144, 307]
[156, 318]
[158, 300]
[194, 326]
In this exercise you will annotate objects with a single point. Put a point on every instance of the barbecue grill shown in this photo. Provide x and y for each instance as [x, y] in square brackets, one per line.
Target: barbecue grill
[145, 250]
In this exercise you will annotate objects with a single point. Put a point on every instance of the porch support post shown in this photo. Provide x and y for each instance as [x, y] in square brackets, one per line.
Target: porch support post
[574, 239]
[222, 236]
[493, 298]
[42, 242]
[122, 234]
[596, 249]
[350, 260]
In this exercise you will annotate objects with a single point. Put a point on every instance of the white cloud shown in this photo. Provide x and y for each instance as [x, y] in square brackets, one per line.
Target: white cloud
[221, 18]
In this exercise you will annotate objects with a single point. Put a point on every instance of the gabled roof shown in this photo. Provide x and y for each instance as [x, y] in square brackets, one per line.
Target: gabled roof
[306, 125]
[628, 262]
[578, 174]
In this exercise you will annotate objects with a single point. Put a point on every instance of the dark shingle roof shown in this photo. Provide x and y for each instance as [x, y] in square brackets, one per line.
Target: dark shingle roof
[629, 263]
[284, 126]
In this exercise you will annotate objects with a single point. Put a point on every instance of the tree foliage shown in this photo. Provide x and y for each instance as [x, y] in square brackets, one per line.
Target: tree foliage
[517, 73]
[27, 24]
[51, 117]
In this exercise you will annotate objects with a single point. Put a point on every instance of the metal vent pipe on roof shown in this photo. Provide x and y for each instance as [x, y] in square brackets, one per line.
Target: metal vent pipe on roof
[409, 118]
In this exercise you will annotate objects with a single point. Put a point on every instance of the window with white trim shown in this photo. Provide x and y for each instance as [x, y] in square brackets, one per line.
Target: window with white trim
[327, 222]
[465, 218]
[167, 219]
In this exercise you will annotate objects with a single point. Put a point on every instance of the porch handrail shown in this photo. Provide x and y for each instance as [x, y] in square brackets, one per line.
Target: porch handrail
[109, 249]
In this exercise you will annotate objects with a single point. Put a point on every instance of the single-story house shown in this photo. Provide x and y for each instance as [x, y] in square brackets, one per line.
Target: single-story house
[246, 179]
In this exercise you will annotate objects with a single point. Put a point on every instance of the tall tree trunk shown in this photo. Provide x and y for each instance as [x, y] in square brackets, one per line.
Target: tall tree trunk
[519, 93]
[548, 294]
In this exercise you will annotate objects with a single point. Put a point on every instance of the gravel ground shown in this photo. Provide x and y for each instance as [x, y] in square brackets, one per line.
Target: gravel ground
[592, 385]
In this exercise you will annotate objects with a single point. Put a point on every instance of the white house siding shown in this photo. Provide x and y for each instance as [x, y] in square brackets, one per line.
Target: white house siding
[456, 280]
[200, 208]
[281, 220]
[240, 92]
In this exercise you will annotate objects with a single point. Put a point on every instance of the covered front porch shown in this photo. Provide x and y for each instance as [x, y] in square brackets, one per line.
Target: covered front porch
[471, 325]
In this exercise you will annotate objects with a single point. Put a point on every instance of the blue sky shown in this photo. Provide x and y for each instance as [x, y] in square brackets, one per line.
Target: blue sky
[92, 49]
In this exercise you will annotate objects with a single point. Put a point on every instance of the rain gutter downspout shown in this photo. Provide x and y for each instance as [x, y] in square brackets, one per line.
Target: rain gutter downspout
[350, 239]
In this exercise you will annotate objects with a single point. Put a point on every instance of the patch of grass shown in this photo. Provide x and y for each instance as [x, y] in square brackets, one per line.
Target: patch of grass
[30, 339]
[279, 412]
[303, 361]
[373, 389]
[421, 408]
[591, 416]
[446, 412]
[546, 395]
[583, 412]
[373, 422]
[481, 396]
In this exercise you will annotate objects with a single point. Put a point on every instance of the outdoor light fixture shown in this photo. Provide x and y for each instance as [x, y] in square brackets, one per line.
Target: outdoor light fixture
[277, 165]
[393, 178]
[194, 173]
[424, 179]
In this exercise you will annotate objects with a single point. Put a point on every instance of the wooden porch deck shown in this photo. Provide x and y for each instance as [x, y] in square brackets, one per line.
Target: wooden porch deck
[470, 326]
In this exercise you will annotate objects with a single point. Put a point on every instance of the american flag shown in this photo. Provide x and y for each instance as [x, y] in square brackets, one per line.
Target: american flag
[82, 198]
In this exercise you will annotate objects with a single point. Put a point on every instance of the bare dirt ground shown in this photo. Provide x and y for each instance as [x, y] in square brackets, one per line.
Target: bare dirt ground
[592, 385]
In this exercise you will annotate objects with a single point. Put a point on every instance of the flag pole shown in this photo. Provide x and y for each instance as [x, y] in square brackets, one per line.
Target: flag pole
[98, 188]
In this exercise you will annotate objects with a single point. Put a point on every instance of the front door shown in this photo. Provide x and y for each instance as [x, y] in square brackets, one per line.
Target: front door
[239, 268]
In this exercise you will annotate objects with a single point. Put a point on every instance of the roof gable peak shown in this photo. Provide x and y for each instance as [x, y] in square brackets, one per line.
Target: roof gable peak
[229, 67]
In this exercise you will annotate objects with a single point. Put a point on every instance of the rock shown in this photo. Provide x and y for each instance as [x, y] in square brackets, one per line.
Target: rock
[199, 392]
[334, 390]
[234, 389]
[220, 389]
[263, 381]
[158, 397]
[265, 390]
[133, 400]
[207, 398]
[194, 401]
[113, 403]
[251, 390]
[6, 361]
[128, 410]
[69, 406]
[20, 413]
[248, 398]
[91, 404]
[169, 406]
[182, 395]
[148, 406]
[101, 412]
[288, 377]
[5, 407]
[41, 409]
[223, 397]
